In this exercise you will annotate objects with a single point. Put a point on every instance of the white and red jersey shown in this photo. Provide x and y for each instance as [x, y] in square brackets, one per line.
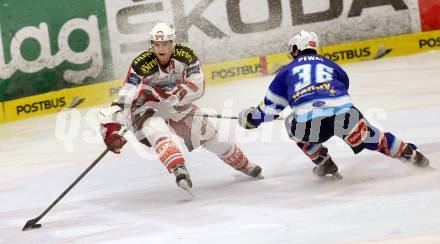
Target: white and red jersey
[155, 99]
[182, 78]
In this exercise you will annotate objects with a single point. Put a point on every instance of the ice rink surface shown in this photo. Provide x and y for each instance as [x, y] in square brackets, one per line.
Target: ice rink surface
[130, 198]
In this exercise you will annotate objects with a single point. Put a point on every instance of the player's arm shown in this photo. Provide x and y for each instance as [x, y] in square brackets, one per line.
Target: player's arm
[112, 119]
[129, 89]
[269, 109]
[193, 85]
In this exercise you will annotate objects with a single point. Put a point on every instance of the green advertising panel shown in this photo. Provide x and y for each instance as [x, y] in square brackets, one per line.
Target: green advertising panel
[49, 45]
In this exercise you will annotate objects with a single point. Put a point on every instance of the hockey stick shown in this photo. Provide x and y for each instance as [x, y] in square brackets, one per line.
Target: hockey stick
[114, 109]
[220, 116]
[32, 223]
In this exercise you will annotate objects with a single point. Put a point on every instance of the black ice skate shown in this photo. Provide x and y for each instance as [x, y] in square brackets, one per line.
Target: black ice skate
[252, 170]
[327, 166]
[414, 156]
[182, 178]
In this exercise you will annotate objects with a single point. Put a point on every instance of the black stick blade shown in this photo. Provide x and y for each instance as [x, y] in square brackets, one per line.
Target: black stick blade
[31, 224]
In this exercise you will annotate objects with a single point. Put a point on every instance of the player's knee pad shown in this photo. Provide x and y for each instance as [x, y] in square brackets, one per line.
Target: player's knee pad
[357, 136]
[195, 130]
[153, 129]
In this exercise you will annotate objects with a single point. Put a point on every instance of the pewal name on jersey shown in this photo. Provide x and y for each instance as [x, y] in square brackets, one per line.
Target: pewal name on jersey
[310, 58]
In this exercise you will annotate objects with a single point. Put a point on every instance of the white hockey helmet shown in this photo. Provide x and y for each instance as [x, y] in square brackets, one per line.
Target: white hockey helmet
[303, 40]
[163, 31]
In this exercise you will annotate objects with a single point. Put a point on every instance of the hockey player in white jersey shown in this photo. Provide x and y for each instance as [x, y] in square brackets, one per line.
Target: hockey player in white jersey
[316, 89]
[156, 100]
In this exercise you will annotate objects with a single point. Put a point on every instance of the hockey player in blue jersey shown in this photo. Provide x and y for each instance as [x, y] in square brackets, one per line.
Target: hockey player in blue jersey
[316, 89]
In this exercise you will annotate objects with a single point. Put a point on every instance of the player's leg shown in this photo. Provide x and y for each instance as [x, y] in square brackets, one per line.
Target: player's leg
[309, 137]
[319, 156]
[389, 145]
[359, 134]
[199, 131]
[232, 155]
[154, 132]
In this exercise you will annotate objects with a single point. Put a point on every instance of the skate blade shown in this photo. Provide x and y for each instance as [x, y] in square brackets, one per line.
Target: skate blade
[429, 167]
[259, 177]
[337, 176]
[184, 185]
[425, 168]
[189, 192]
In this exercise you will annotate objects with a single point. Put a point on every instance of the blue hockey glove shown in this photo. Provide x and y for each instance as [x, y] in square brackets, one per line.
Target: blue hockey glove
[246, 118]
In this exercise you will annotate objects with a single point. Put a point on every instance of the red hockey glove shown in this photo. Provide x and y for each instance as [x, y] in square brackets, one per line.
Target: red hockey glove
[112, 139]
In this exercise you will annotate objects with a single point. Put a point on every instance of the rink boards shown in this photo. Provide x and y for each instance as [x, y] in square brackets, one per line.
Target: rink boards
[105, 92]
[342, 53]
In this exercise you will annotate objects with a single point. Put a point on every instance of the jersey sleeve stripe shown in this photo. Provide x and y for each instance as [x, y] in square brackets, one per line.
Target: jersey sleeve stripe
[274, 98]
[269, 109]
[192, 86]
